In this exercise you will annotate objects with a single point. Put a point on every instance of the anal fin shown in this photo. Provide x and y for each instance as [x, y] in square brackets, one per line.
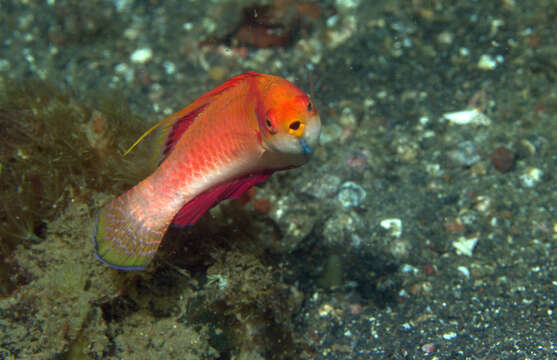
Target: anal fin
[193, 210]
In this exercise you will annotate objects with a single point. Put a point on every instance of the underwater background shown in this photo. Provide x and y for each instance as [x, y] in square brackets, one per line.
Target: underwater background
[425, 225]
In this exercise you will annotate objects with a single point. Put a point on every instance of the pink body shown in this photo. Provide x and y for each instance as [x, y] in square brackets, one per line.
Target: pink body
[212, 150]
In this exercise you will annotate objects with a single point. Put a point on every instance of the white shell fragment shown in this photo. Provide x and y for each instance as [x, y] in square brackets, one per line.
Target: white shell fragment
[141, 56]
[394, 226]
[351, 194]
[486, 62]
[467, 117]
[464, 271]
[465, 246]
[531, 177]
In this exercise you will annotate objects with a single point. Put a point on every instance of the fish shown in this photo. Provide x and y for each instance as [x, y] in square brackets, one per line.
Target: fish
[228, 140]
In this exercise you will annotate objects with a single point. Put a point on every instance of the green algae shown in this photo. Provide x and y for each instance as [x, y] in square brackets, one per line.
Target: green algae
[55, 150]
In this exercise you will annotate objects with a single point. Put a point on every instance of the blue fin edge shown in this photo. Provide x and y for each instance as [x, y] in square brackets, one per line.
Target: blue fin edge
[113, 266]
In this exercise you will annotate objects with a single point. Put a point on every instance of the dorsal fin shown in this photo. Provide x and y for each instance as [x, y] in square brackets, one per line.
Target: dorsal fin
[171, 128]
[178, 123]
[178, 128]
[227, 84]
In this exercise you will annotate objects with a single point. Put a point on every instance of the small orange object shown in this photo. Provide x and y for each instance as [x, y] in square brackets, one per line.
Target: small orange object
[503, 159]
[275, 25]
[429, 270]
[262, 206]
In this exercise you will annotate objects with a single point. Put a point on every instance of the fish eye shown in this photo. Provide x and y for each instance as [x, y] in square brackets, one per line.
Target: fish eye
[295, 125]
[270, 126]
[310, 106]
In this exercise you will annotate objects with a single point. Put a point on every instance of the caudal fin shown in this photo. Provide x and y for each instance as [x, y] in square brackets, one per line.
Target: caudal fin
[122, 240]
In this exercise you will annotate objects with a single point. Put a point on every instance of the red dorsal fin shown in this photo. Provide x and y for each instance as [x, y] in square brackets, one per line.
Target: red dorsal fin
[228, 84]
[179, 127]
[173, 127]
[193, 210]
[178, 123]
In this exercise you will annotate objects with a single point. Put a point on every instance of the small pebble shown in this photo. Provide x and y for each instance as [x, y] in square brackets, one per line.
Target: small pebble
[141, 56]
[487, 62]
[347, 117]
[428, 348]
[464, 271]
[169, 67]
[509, 4]
[262, 206]
[351, 194]
[465, 246]
[330, 133]
[355, 309]
[445, 38]
[325, 310]
[4, 65]
[408, 152]
[132, 33]
[347, 4]
[525, 148]
[466, 154]
[429, 270]
[218, 73]
[394, 226]
[400, 248]
[482, 203]
[323, 187]
[467, 117]
[407, 268]
[503, 159]
[531, 177]
[495, 25]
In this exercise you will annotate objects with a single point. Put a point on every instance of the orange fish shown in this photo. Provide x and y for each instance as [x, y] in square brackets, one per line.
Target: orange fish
[226, 141]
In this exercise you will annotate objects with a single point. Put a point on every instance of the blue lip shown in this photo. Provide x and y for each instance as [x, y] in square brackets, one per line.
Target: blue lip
[305, 146]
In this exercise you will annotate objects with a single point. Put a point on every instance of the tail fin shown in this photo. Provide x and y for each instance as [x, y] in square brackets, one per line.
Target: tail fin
[122, 240]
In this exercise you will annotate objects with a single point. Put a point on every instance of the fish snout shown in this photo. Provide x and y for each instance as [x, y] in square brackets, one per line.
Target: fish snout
[310, 139]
